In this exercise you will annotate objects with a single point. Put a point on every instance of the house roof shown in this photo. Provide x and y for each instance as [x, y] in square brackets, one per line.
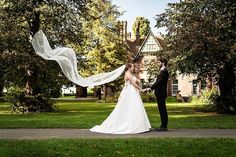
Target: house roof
[135, 47]
[150, 33]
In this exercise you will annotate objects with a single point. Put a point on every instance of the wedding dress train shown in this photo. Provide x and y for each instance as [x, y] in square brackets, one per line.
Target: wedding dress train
[129, 115]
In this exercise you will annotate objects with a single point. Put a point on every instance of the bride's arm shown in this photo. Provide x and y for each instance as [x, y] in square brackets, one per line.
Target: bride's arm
[128, 77]
[139, 83]
[134, 83]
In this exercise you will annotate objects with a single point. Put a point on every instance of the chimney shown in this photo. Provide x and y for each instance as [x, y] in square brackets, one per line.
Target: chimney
[138, 34]
[125, 29]
[118, 25]
[129, 35]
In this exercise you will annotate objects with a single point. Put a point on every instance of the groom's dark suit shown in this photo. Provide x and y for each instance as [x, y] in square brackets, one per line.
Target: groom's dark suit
[160, 87]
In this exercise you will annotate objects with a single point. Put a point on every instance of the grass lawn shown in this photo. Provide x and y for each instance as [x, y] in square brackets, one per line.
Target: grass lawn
[88, 114]
[159, 147]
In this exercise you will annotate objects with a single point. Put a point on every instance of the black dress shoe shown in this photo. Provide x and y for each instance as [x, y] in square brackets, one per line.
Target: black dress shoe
[161, 129]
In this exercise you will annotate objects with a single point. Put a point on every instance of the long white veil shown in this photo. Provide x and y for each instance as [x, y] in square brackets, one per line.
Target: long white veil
[66, 58]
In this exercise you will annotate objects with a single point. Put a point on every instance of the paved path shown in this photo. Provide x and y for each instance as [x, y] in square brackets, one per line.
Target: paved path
[31, 134]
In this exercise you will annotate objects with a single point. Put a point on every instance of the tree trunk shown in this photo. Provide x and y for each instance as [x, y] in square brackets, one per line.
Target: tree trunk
[107, 91]
[1, 82]
[1, 89]
[98, 93]
[81, 92]
[226, 86]
[209, 83]
[104, 87]
[226, 81]
[32, 87]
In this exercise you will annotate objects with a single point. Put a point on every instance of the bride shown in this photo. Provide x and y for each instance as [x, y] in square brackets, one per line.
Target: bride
[129, 115]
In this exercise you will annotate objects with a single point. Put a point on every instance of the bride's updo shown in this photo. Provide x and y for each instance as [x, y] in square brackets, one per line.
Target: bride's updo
[128, 65]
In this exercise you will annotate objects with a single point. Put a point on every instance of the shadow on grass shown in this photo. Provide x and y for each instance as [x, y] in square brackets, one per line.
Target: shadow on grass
[88, 114]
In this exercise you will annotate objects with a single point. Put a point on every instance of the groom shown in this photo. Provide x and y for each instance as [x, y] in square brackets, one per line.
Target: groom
[160, 88]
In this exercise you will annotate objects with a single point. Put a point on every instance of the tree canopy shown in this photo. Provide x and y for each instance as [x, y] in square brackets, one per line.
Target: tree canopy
[143, 24]
[90, 27]
[103, 45]
[20, 20]
[201, 39]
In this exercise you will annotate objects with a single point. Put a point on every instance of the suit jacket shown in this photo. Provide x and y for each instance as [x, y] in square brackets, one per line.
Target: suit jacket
[160, 86]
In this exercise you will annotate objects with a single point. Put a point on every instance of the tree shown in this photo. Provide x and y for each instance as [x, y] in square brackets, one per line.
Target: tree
[1, 76]
[143, 25]
[201, 39]
[104, 48]
[152, 69]
[20, 20]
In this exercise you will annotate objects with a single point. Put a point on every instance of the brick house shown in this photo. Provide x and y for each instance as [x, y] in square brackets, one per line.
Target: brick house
[148, 48]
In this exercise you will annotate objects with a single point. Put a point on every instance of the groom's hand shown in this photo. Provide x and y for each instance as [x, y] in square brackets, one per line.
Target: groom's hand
[143, 90]
[148, 89]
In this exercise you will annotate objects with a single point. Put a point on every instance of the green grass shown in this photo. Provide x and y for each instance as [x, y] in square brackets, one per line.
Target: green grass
[68, 96]
[160, 147]
[88, 114]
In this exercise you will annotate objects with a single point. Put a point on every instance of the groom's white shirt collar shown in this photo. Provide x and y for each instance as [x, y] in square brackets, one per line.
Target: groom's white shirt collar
[163, 67]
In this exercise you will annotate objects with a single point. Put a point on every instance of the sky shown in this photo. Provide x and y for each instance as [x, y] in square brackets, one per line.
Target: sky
[146, 8]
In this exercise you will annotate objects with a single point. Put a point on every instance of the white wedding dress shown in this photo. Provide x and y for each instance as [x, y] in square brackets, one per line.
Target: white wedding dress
[129, 115]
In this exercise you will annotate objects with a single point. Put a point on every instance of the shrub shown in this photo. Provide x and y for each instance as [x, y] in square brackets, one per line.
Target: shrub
[148, 97]
[171, 99]
[112, 99]
[208, 98]
[22, 103]
[226, 104]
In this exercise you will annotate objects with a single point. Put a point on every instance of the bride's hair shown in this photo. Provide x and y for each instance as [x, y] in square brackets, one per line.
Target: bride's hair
[128, 65]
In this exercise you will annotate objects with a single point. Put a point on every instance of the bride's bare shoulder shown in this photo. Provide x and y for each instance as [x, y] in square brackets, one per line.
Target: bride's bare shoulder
[127, 75]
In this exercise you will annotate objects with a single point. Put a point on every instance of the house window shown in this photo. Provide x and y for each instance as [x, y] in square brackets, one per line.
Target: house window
[175, 87]
[150, 45]
[194, 84]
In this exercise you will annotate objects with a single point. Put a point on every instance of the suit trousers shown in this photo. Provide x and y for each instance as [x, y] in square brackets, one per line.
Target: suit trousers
[161, 103]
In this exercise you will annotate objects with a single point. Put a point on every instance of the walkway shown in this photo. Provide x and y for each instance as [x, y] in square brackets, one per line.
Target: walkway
[31, 134]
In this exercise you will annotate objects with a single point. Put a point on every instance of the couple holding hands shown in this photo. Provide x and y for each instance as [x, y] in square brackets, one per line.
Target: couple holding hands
[129, 115]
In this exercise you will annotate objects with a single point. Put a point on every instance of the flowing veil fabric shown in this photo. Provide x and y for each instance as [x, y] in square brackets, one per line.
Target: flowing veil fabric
[67, 60]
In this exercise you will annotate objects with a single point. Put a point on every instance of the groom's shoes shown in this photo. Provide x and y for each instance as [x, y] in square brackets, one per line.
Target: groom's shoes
[161, 129]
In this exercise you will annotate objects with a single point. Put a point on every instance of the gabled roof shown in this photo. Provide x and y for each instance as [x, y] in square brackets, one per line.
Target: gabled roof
[160, 41]
[136, 45]
[133, 45]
